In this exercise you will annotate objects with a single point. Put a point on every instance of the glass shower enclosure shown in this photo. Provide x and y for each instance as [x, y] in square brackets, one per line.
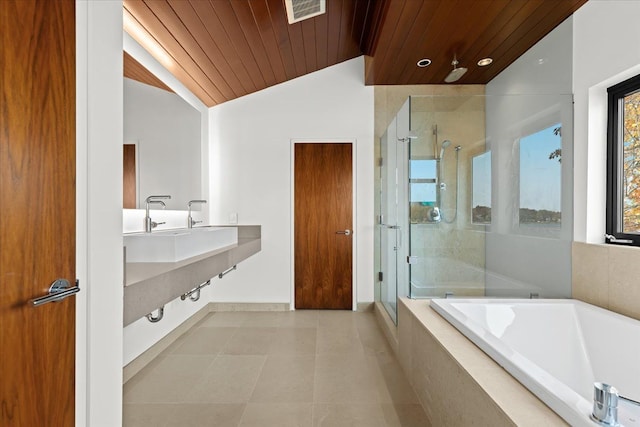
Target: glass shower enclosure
[475, 198]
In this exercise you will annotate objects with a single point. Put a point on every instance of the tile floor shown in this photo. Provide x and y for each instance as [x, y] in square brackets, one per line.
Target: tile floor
[301, 368]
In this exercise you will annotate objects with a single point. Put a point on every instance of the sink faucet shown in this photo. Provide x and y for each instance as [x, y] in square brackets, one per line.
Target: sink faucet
[190, 221]
[148, 223]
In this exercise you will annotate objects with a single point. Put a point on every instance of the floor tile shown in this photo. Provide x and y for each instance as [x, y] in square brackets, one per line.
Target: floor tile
[250, 341]
[286, 379]
[277, 415]
[264, 319]
[294, 341]
[300, 319]
[338, 341]
[225, 318]
[229, 379]
[336, 319]
[205, 340]
[169, 381]
[204, 415]
[145, 415]
[362, 415]
[346, 378]
[405, 415]
[300, 368]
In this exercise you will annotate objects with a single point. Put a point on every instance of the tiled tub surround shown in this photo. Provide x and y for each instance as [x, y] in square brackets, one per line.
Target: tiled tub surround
[298, 368]
[557, 348]
[607, 276]
[149, 286]
[457, 383]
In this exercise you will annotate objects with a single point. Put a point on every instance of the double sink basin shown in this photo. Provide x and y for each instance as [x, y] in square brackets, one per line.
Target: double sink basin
[177, 245]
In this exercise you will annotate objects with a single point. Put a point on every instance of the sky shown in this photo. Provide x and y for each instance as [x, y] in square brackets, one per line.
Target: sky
[540, 177]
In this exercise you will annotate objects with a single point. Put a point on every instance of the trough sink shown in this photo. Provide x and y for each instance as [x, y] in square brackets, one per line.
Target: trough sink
[177, 245]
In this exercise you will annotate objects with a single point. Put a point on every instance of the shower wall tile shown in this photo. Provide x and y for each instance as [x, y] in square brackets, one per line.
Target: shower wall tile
[607, 276]
[450, 254]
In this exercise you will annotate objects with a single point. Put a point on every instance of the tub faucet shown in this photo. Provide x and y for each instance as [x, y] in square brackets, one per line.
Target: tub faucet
[190, 221]
[605, 404]
[148, 223]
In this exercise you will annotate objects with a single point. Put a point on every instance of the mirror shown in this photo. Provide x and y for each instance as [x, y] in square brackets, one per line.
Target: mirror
[162, 143]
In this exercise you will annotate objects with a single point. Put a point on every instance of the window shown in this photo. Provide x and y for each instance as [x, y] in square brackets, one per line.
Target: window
[541, 178]
[481, 189]
[423, 196]
[623, 163]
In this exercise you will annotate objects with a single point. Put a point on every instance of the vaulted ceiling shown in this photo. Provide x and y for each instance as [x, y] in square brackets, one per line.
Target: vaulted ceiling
[224, 49]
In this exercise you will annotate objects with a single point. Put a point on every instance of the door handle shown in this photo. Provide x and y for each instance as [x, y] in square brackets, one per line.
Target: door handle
[346, 232]
[391, 227]
[59, 290]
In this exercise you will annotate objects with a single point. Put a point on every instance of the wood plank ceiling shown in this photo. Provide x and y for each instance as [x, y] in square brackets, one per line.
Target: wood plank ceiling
[224, 49]
[136, 71]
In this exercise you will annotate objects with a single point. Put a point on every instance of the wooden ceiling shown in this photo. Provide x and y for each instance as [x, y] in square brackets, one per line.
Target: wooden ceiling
[224, 49]
[136, 71]
[469, 29]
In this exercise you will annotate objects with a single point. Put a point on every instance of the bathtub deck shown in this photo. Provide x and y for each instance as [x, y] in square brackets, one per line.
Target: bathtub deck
[457, 383]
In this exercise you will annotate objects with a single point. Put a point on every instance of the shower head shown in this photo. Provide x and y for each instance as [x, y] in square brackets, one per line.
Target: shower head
[456, 73]
[445, 144]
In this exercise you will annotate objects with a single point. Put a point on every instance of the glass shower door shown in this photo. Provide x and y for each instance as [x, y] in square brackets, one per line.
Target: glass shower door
[387, 222]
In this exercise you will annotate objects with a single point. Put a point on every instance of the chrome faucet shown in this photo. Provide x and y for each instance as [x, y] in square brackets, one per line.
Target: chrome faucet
[190, 221]
[605, 404]
[148, 223]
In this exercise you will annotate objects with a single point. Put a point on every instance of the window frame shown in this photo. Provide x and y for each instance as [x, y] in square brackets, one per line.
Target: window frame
[615, 168]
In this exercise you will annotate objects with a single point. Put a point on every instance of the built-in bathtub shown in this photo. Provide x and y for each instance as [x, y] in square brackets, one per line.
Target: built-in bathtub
[557, 349]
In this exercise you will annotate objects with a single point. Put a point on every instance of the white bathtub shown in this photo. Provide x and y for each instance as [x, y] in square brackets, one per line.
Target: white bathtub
[557, 349]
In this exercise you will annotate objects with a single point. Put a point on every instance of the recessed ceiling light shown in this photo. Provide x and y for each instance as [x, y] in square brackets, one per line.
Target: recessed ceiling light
[425, 62]
[484, 62]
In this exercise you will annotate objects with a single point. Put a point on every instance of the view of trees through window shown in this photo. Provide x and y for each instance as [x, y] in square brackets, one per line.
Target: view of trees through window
[541, 177]
[481, 189]
[631, 163]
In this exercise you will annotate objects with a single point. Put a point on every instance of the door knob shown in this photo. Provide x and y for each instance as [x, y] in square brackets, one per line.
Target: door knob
[346, 232]
[59, 290]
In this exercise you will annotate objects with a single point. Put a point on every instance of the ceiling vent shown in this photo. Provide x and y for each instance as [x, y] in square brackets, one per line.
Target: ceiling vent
[299, 10]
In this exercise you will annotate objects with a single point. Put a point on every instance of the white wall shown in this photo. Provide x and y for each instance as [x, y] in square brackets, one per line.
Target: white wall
[166, 131]
[99, 214]
[606, 50]
[530, 95]
[141, 335]
[250, 166]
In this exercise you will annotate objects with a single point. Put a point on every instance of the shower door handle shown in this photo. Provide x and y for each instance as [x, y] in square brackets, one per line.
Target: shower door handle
[391, 227]
[346, 232]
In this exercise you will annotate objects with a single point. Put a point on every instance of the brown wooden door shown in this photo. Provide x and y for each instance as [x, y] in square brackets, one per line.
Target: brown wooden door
[37, 211]
[129, 193]
[323, 212]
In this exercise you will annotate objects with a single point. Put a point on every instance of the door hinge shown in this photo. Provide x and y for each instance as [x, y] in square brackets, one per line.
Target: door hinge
[412, 259]
[380, 276]
[380, 161]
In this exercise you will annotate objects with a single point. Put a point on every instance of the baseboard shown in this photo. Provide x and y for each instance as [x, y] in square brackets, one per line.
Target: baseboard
[365, 306]
[137, 364]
